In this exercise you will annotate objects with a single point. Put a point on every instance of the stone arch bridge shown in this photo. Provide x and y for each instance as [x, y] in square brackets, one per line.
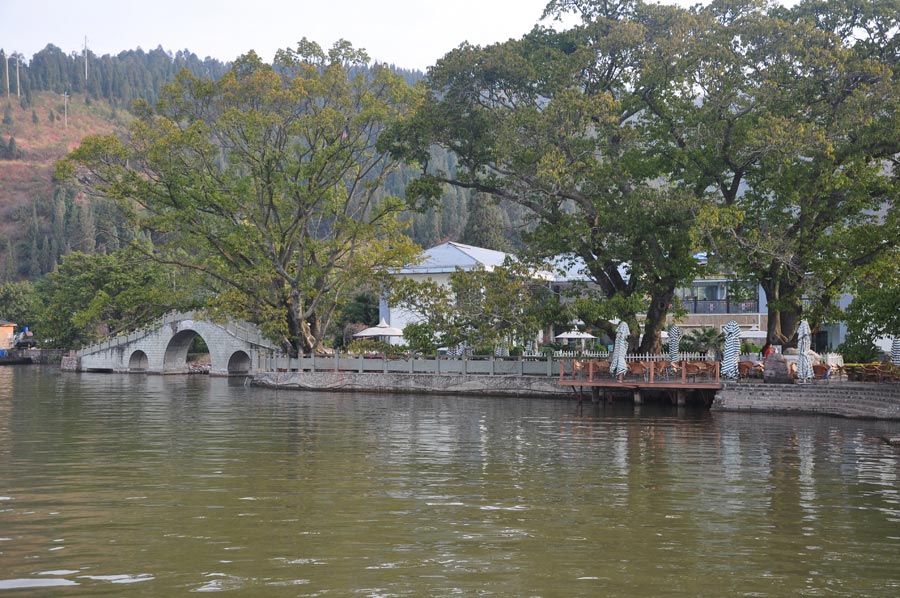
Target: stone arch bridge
[162, 347]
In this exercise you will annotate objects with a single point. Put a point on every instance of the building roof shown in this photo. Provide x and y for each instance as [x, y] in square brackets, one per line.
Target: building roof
[447, 257]
[5, 323]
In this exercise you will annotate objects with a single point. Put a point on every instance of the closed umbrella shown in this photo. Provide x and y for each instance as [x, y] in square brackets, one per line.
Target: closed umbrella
[895, 351]
[732, 350]
[674, 340]
[617, 365]
[804, 363]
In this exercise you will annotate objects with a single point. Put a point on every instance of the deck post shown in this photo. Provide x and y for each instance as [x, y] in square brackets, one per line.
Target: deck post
[595, 394]
[638, 400]
[680, 398]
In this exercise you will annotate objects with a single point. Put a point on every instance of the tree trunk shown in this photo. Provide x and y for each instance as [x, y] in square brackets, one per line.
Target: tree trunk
[656, 319]
[785, 310]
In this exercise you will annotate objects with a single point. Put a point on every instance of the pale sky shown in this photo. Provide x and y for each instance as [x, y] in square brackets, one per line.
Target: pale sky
[408, 33]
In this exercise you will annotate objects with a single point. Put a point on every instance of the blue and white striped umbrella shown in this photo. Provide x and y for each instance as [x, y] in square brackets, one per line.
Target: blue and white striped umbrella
[732, 350]
[617, 365]
[895, 351]
[674, 340]
[804, 343]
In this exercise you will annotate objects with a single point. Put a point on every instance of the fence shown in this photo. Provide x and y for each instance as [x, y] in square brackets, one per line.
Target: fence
[486, 365]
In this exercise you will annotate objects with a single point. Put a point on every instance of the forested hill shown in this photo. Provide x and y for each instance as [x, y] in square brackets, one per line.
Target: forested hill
[119, 79]
[51, 107]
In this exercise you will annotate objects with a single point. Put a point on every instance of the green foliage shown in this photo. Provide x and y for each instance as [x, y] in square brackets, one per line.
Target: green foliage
[858, 349]
[548, 122]
[484, 224]
[20, 303]
[875, 310]
[268, 182]
[703, 340]
[368, 346]
[479, 307]
[791, 121]
[92, 296]
[7, 115]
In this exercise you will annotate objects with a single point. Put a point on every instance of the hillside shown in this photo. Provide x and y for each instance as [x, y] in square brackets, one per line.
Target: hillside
[40, 221]
[42, 136]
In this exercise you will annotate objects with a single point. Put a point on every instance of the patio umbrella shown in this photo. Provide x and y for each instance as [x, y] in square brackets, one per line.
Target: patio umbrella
[674, 340]
[383, 329]
[732, 350]
[617, 365]
[575, 334]
[754, 334]
[804, 364]
[895, 351]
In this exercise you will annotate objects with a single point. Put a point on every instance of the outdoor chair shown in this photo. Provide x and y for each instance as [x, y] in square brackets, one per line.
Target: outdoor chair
[888, 373]
[638, 368]
[821, 371]
[745, 369]
[577, 367]
[599, 368]
[665, 370]
[870, 373]
[693, 369]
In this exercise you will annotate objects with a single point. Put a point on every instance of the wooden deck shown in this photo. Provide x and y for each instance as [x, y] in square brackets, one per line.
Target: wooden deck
[643, 375]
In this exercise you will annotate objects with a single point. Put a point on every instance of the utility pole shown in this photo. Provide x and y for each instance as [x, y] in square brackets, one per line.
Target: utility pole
[18, 58]
[6, 64]
[66, 109]
[85, 60]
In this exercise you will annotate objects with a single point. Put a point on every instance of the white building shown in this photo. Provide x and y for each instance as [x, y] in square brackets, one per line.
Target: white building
[438, 264]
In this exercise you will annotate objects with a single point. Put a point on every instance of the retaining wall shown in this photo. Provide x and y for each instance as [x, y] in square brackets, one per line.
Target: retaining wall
[843, 399]
[508, 386]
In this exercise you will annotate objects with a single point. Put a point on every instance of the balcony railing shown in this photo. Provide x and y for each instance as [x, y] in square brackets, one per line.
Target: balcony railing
[724, 306]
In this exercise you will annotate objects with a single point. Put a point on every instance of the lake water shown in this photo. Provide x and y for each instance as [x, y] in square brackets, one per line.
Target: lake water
[160, 486]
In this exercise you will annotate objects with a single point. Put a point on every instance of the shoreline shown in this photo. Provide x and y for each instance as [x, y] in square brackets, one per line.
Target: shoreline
[836, 398]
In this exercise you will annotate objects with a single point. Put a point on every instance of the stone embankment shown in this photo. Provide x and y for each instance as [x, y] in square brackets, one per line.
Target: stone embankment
[508, 386]
[839, 398]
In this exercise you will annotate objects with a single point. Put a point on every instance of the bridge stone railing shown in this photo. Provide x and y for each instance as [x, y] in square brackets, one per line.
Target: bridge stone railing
[242, 331]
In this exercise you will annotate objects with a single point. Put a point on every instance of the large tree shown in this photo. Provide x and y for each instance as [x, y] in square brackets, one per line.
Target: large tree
[789, 119]
[267, 182]
[552, 122]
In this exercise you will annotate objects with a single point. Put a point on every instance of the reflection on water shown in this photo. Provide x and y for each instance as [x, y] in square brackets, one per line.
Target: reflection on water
[155, 486]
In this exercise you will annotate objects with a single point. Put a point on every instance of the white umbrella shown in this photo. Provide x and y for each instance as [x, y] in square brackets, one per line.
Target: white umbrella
[575, 334]
[754, 333]
[732, 350]
[804, 364]
[895, 351]
[674, 340]
[383, 329]
[617, 366]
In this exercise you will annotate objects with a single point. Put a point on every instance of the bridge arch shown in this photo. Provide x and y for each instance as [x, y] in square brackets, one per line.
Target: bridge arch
[138, 362]
[239, 363]
[175, 358]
